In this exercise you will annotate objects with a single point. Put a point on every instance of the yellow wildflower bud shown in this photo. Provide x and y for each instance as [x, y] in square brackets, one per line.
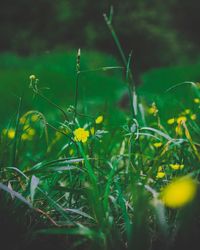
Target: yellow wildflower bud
[22, 120]
[179, 192]
[32, 77]
[179, 130]
[26, 127]
[31, 132]
[11, 133]
[187, 111]
[157, 144]
[160, 175]
[34, 117]
[153, 109]
[196, 100]
[71, 152]
[99, 119]
[171, 121]
[92, 131]
[193, 117]
[24, 137]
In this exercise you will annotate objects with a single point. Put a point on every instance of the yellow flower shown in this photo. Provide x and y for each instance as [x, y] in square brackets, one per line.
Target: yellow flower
[160, 175]
[92, 131]
[179, 130]
[32, 77]
[171, 121]
[24, 137]
[181, 119]
[34, 117]
[99, 119]
[153, 109]
[193, 117]
[187, 111]
[26, 127]
[22, 120]
[58, 135]
[11, 133]
[71, 152]
[157, 144]
[160, 169]
[179, 192]
[196, 100]
[80, 134]
[31, 132]
[176, 166]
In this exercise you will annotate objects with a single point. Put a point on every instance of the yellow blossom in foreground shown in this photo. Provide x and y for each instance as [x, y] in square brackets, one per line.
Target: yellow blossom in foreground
[157, 144]
[176, 166]
[181, 119]
[99, 119]
[193, 117]
[196, 100]
[171, 121]
[179, 192]
[160, 175]
[81, 135]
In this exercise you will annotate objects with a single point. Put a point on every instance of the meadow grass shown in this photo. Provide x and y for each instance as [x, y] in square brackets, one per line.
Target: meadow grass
[76, 167]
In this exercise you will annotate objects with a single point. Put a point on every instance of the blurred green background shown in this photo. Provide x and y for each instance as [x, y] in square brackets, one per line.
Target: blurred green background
[42, 37]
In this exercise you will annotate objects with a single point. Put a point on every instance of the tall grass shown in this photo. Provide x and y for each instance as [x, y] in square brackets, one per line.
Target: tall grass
[99, 186]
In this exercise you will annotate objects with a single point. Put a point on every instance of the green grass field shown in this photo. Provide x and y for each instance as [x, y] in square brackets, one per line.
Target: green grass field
[91, 175]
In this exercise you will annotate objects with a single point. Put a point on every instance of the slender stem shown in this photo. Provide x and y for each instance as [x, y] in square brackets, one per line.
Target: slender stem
[116, 40]
[76, 94]
[129, 76]
[52, 103]
[16, 134]
[78, 60]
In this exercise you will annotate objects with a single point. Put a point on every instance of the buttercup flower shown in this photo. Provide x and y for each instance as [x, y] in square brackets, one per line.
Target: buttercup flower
[187, 111]
[24, 137]
[171, 121]
[22, 120]
[71, 152]
[92, 131]
[193, 117]
[196, 100]
[10, 133]
[179, 130]
[160, 175]
[181, 119]
[179, 192]
[99, 119]
[176, 166]
[34, 117]
[157, 144]
[81, 135]
[153, 109]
